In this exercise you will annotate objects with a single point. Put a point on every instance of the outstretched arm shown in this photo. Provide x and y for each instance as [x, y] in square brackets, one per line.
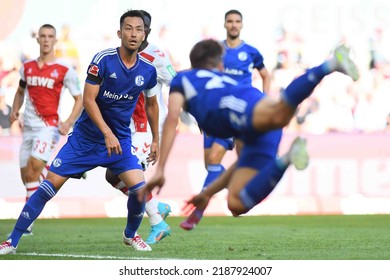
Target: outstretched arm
[175, 105]
[201, 200]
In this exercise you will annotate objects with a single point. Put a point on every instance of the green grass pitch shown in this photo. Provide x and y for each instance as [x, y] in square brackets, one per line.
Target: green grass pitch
[347, 237]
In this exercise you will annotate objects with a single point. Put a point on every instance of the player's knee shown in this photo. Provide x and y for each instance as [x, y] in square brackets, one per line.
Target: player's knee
[235, 206]
[112, 178]
[214, 158]
[31, 175]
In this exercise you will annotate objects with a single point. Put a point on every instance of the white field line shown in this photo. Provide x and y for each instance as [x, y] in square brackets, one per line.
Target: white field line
[91, 256]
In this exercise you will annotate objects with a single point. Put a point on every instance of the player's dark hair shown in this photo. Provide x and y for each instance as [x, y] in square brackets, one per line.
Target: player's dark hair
[147, 15]
[130, 13]
[47, 25]
[147, 21]
[206, 54]
[233, 12]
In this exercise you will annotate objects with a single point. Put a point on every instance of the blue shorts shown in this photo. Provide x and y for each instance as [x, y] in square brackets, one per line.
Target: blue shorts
[259, 151]
[79, 155]
[227, 143]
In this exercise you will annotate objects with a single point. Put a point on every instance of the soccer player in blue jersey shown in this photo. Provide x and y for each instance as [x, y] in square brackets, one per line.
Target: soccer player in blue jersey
[141, 135]
[225, 108]
[240, 60]
[101, 136]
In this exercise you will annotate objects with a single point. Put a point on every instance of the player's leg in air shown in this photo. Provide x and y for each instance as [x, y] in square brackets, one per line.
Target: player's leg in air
[247, 187]
[256, 177]
[214, 151]
[299, 89]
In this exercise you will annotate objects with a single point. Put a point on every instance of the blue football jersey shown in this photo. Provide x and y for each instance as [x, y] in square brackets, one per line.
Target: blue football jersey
[240, 61]
[120, 88]
[216, 101]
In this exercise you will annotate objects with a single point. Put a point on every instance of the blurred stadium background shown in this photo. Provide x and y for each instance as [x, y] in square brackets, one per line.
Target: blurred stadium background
[347, 124]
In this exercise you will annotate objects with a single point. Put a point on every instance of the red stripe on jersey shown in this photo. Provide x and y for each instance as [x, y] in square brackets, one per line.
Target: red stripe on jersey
[147, 56]
[139, 115]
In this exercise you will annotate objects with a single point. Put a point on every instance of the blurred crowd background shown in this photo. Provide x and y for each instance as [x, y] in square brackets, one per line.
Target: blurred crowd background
[291, 34]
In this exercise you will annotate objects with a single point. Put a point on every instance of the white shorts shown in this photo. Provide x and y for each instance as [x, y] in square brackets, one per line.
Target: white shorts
[39, 143]
[141, 141]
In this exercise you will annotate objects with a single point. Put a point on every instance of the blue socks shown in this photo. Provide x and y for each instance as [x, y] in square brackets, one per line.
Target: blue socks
[46, 191]
[135, 210]
[302, 87]
[262, 184]
[213, 172]
[32, 209]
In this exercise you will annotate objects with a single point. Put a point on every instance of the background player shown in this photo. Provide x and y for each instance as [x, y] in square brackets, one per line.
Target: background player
[101, 136]
[41, 84]
[142, 136]
[221, 109]
[240, 61]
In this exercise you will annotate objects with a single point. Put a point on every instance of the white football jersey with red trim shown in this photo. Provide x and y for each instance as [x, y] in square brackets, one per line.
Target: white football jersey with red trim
[165, 73]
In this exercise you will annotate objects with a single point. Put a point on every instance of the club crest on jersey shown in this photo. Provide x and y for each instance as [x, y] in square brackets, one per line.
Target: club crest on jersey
[93, 70]
[57, 162]
[139, 80]
[242, 56]
[54, 74]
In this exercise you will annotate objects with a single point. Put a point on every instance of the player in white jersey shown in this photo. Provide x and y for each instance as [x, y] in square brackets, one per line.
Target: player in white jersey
[142, 135]
[41, 84]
